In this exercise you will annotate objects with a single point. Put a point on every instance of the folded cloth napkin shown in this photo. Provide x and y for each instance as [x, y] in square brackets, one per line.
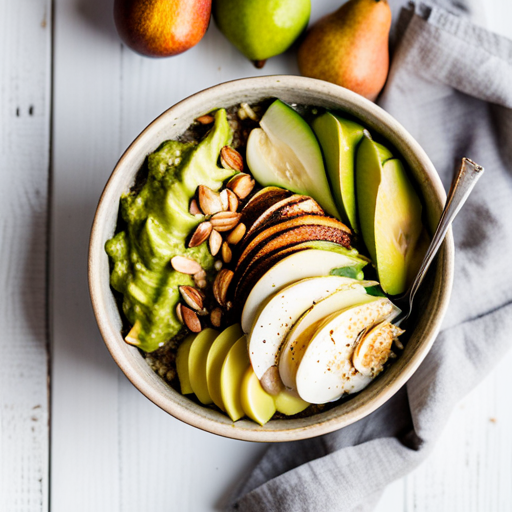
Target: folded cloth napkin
[450, 86]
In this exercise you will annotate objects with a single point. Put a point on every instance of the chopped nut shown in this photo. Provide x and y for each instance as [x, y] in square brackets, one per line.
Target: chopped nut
[191, 319]
[249, 111]
[202, 312]
[206, 119]
[201, 283]
[218, 265]
[209, 201]
[215, 242]
[241, 184]
[192, 297]
[194, 208]
[232, 201]
[225, 221]
[201, 234]
[216, 317]
[237, 234]
[231, 159]
[224, 199]
[227, 254]
[185, 265]
[179, 313]
[200, 275]
[221, 285]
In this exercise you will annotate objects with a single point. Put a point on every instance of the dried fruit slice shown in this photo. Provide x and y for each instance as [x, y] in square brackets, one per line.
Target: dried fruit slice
[261, 201]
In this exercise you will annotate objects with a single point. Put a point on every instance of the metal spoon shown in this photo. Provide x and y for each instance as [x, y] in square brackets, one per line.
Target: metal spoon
[462, 185]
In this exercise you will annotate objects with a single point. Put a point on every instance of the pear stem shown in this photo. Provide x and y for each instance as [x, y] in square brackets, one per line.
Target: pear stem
[259, 63]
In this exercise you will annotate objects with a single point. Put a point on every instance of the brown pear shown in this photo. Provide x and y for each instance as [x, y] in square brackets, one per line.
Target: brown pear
[161, 28]
[350, 47]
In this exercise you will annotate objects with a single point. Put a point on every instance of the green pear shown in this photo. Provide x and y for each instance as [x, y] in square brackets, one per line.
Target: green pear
[261, 29]
[339, 139]
[389, 213]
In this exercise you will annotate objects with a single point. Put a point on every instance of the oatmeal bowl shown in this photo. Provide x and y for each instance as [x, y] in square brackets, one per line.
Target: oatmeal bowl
[246, 252]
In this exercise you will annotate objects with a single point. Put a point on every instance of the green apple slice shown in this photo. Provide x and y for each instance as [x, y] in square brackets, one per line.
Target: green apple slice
[197, 364]
[284, 152]
[182, 364]
[231, 376]
[389, 213]
[339, 139]
[216, 356]
[298, 338]
[326, 372]
[299, 265]
[256, 402]
[277, 316]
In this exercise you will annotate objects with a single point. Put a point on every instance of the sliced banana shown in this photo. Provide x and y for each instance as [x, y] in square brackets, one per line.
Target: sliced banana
[374, 349]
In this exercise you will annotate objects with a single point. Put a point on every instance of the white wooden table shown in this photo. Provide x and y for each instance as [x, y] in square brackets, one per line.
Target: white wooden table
[71, 99]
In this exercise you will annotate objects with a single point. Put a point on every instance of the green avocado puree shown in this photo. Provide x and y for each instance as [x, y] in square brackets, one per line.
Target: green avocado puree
[158, 224]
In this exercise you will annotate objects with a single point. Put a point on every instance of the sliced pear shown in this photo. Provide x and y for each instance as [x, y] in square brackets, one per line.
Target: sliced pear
[182, 364]
[256, 402]
[289, 404]
[339, 139]
[197, 364]
[300, 265]
[284, 152]
[374, 349]
[277, 316]
[216, 356]
[326, 372]
[299, 336]
[231, 376]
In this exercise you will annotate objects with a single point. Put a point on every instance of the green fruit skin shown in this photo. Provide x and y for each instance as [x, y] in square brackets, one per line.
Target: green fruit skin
[261, 29]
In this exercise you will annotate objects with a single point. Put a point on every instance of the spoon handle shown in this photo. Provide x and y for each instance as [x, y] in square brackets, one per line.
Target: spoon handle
[462, 185]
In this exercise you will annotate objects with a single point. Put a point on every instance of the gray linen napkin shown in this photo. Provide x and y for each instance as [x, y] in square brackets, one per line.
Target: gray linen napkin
[450, 85]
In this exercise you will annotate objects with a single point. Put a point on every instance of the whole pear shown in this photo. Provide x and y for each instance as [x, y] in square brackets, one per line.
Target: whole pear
[161, 28]
[350, 47]
[261, 29]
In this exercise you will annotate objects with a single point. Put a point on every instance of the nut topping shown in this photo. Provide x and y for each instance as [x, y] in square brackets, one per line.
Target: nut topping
[191, 319]
[179, 312]
[216, 317]
[215, 242]
[185, 265]
[237, 234]
[241, 184]
[227, 254]
[192, 297]
[225, 221]
[232, 200]
[194, 208]
[221, 285]
[231, 159]
[209, 201]
[206, 119]
[201, 234]
[224, 199]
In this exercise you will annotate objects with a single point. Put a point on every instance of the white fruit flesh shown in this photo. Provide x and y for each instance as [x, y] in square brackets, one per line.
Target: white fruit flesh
[303, 264]
[326, 372]
[299, 336]
[277, 316]
[285, 152]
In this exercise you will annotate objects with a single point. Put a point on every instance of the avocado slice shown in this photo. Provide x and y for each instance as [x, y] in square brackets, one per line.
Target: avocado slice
[339, 138]
[284, 152]
[157, 226]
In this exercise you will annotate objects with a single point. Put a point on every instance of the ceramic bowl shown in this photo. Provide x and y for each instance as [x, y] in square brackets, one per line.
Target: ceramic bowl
[173, 122]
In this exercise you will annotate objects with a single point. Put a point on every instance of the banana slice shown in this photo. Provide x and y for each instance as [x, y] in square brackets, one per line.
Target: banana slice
[374, 349]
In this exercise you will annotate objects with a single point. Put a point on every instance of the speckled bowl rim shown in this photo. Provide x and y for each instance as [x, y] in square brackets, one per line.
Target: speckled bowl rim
[176, 119]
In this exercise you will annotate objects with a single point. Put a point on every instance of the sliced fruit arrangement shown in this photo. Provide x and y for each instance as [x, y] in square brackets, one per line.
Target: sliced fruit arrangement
[238, 252]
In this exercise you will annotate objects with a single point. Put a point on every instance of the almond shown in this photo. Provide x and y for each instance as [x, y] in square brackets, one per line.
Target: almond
[221, 285]
[194, 208]
[185, 265]
[227, 254]
[206, 119]
[209, 201]
[215, 242]
[192, 297]
[232, 201]
[237, 234]
[191, 319]
[201, 234]
[225, 221]
[216, 317]
[179, 313]
[231, 159]
[241, 184]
